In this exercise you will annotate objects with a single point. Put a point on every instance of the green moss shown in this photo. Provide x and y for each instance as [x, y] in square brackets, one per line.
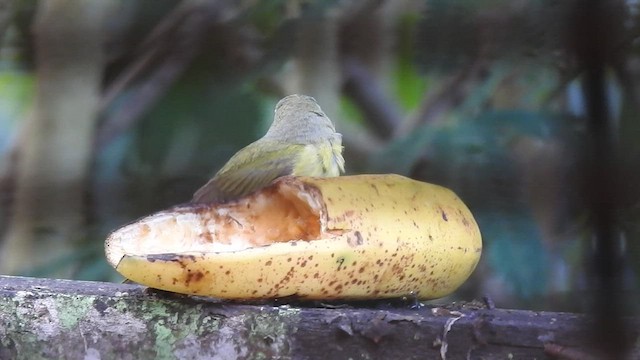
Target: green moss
[269, 333]
[164, 340]
[172, 323]
[44, 325]
[13, 318]
[72, 309]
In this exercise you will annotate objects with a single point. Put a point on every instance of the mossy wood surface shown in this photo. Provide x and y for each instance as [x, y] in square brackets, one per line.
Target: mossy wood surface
[50, 319]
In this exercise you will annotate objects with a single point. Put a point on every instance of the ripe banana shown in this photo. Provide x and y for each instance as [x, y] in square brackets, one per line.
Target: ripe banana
[349, 237]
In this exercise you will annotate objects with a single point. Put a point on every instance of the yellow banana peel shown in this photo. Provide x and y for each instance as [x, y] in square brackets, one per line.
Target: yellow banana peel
[349, 237]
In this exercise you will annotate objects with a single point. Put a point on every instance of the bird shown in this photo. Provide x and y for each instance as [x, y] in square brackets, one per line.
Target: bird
[301, 141]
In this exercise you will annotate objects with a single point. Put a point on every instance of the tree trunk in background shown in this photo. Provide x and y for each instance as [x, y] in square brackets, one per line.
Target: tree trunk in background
[316, 70]
[370, 37]
[54, 156]
[367, 43]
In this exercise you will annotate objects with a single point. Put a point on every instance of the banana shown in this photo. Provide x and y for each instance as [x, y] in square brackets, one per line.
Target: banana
[349, 237]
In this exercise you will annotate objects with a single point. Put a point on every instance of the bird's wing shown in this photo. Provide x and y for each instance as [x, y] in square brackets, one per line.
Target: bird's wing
[244, 174]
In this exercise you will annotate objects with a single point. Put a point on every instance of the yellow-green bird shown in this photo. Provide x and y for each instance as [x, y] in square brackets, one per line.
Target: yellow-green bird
[301, 141]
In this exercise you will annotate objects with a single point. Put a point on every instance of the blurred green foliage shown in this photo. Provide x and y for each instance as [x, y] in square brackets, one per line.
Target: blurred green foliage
[16, 95]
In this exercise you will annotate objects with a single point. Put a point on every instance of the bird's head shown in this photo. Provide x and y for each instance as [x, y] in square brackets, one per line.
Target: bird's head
[300, 118]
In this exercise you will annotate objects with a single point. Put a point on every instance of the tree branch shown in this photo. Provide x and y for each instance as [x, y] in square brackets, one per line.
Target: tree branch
[378, 110]
[78, 319]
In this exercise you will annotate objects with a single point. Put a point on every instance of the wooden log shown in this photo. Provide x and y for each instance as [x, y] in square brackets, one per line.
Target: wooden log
[46, 318]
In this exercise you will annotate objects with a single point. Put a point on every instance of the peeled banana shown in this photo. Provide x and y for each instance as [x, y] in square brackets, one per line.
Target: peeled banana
[349, 237]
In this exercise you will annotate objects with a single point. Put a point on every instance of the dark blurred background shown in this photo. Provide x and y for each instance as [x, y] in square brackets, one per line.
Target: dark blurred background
[111, 110]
